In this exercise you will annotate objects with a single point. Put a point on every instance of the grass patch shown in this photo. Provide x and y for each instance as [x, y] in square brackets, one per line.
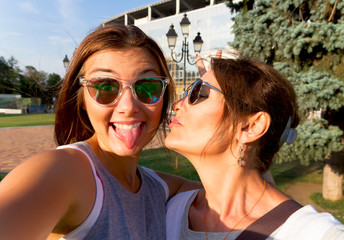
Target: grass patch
[21, 120]
[290, 172]
[2, 175]
[168, 161]
[284, 174]
[335, 207]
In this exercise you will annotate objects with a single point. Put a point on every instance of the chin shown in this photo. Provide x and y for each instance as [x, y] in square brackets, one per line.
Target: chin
[172, 144]
[123, 151]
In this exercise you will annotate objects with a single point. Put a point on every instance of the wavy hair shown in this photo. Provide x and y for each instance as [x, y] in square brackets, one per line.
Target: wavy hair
[248, 87]
[71, 121]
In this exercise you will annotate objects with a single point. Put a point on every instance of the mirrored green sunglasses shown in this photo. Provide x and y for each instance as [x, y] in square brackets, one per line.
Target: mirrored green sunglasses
[107, 91]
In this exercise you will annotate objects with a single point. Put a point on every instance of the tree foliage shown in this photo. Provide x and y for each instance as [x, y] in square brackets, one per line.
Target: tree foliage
[29, 83]
[304, 40]
[9, 75]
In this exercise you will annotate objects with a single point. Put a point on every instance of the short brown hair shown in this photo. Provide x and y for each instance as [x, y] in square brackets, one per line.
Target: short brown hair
[250, 86]
[71, 121]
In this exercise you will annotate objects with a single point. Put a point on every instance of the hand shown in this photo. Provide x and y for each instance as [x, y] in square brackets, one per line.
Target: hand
[200, 63]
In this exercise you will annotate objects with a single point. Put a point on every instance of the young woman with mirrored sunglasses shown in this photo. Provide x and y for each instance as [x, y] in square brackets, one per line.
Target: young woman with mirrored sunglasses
[114, 97]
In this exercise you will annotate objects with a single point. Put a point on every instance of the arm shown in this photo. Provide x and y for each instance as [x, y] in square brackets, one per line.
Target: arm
[36, 195]
[178, 184]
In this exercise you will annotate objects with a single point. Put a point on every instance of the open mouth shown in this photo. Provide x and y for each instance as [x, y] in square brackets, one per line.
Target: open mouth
[128, 133]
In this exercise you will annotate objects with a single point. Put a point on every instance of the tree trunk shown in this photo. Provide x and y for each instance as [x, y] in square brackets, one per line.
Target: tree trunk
[333, 177]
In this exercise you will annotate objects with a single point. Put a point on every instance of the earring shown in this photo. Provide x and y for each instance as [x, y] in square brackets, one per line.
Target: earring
[240, 159]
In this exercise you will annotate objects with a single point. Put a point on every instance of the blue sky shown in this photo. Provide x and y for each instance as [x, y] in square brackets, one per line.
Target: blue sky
[40, 33]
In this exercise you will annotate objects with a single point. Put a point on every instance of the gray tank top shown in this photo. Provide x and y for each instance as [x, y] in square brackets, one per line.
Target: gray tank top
[126, 215]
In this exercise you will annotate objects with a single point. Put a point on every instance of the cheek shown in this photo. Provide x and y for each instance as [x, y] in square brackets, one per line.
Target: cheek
[197, 131]
[203, 128]
[154, 114]
[221, 140]
[97, 114]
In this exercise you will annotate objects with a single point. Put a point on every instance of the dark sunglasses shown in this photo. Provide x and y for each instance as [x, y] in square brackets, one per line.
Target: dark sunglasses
[106, 91]
[194, 91]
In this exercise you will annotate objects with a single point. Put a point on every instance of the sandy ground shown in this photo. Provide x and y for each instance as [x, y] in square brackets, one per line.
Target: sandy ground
[18, 144]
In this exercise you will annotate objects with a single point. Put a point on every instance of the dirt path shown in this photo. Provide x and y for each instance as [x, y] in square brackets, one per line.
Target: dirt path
[301, 192]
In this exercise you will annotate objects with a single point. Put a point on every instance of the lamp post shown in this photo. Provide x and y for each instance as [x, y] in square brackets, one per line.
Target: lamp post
[66, 62]
[172, 39]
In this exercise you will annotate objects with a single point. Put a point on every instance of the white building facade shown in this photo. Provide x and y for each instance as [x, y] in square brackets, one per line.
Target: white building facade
[211, 18]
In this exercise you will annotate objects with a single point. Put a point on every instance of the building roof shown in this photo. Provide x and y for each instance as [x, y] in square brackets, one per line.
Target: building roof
[159, 9]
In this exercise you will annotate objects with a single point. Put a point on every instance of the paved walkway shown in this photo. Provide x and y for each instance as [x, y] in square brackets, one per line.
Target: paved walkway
[19, 144]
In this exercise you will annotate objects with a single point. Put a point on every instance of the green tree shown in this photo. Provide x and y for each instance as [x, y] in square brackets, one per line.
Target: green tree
[33, 82]
[9, 76]
[29, 83]
[304, 40]
[53, 86]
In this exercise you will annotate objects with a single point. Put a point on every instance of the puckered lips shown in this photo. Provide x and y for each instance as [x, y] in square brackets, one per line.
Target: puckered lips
[174, 122]
[128, 131]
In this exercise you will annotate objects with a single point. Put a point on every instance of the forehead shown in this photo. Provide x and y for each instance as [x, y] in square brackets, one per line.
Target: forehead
[124, 63]
[210, 78]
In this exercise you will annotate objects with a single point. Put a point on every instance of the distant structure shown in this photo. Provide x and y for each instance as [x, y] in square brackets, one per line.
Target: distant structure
[10, 104]
[211, 18]
[16, 104]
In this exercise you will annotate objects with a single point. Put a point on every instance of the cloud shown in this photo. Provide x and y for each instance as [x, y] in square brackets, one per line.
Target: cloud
[10, 34]
[69, 11]
[28, 7]
[58, 40]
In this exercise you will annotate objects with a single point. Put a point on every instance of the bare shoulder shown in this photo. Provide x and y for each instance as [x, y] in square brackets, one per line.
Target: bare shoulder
[54, 164]
[178, 184]
[273, 197]
[37, 194]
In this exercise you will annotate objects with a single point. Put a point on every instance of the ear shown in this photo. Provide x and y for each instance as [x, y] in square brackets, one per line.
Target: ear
[254, 127]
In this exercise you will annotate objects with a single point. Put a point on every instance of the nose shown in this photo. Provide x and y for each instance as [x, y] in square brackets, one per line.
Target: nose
[178, 104]
[127, 103]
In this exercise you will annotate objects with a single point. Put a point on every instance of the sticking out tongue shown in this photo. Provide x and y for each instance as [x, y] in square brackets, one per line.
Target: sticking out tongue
[129, 136]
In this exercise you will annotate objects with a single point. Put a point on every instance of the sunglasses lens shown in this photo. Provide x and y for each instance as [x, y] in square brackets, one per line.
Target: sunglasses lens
[194, 94]
[103, 90]
[149, 90]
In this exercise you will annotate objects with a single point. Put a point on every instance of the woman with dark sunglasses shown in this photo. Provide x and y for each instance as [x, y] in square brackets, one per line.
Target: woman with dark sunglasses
[229, 125]
[114, 96]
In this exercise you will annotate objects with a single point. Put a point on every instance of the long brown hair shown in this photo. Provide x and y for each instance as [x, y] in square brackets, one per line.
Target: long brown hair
[71, 121]
[250, 86]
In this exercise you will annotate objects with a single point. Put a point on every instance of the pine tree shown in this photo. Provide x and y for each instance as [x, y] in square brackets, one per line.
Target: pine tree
[303, 39]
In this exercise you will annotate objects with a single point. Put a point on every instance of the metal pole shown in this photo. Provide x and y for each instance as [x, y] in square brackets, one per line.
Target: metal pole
[184, 69]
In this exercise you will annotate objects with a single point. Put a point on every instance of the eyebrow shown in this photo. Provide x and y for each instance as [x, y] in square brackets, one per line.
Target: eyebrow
[107, 70]
[102, 70]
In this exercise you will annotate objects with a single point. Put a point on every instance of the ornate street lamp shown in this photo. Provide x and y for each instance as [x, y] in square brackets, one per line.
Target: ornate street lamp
[66, 62]
[172, 39]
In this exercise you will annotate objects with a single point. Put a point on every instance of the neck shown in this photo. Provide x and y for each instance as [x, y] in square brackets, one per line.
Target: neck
[229, 187]
[123, 168]
[231, 190]
[234, 196]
